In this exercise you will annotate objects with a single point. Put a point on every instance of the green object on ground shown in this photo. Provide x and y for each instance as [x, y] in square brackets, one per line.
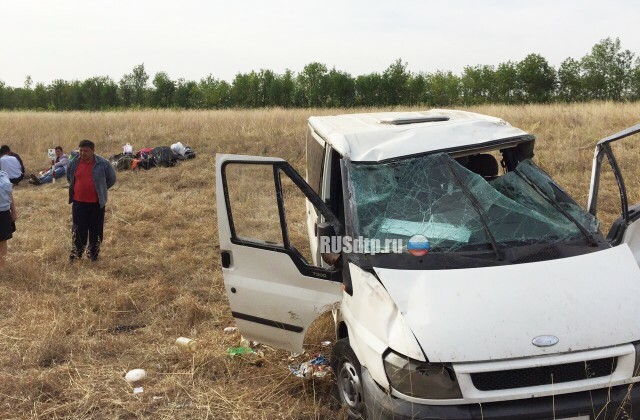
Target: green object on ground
[234, 351]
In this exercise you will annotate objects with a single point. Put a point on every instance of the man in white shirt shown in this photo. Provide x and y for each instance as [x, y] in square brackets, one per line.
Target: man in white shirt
[11, 166]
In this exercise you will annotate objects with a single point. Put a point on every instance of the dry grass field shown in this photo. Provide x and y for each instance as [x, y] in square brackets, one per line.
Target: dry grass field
[65, 343]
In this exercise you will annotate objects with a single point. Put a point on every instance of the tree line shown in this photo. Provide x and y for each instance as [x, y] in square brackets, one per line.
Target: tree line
[606, 73]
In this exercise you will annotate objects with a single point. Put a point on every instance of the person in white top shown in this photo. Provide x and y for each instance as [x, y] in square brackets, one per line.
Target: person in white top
[8, 215]
[11, 165]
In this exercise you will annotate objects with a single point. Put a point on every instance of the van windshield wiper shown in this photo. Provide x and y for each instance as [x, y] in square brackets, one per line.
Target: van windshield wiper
[588, 235]
[478, 208]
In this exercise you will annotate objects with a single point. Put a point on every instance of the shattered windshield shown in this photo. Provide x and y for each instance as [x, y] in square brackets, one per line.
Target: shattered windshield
[456, 209]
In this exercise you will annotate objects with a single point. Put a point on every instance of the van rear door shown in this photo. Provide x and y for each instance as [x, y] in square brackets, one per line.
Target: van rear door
[274, 289]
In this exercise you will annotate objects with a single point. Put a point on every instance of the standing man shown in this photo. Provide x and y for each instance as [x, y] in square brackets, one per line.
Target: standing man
[11, 164]
[8, 215]
[89, 178]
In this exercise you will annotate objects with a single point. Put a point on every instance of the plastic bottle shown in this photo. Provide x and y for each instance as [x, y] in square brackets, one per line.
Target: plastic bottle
[186, 344]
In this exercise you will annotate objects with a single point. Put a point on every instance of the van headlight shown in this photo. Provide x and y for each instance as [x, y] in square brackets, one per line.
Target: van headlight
[435, 381]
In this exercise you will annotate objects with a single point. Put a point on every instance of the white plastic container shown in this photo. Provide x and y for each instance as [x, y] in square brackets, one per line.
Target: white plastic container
[127, 149]
[186, 344]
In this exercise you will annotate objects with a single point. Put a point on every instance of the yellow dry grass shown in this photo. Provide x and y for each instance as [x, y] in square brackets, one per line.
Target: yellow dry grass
[61, 353]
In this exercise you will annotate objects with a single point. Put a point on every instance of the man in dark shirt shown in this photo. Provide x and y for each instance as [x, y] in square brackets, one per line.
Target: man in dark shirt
[89, 178]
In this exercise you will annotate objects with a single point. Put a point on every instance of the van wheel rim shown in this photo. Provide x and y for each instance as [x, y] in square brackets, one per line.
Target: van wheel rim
[350, 386]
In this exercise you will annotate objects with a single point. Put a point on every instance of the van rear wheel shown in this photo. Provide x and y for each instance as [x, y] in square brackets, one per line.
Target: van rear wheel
[346, 367]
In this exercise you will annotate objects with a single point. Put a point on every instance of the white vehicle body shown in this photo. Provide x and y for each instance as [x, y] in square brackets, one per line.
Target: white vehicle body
[513, 316]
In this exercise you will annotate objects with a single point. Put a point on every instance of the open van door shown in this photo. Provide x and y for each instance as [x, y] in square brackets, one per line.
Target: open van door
[275, 293]
[626, 229]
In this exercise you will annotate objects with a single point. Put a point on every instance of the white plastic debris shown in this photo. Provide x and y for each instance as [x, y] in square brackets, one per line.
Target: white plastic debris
[230, 330]
[326, 343]
[135, 375]
[186, 344]
[178, 148]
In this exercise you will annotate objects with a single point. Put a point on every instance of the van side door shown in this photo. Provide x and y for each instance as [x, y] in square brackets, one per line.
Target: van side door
[626, 228]
[275, 290]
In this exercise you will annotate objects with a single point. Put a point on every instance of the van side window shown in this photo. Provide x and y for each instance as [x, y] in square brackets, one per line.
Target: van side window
[315, 160]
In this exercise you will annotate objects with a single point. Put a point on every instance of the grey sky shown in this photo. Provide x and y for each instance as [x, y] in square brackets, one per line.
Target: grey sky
[76, 39]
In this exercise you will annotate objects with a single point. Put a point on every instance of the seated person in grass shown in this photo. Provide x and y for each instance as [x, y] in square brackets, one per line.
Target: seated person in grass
[59, 169]
[11, 164]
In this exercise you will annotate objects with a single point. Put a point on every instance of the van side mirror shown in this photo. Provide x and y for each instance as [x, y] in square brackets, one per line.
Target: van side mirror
[326, 233]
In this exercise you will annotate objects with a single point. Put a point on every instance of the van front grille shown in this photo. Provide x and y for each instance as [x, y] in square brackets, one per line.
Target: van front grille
[544, 375]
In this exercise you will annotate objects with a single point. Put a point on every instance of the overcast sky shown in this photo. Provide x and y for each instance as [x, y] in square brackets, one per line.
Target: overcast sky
[76, 39]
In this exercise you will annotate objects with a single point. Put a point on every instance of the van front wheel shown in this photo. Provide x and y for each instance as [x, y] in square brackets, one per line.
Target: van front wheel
[346, 366]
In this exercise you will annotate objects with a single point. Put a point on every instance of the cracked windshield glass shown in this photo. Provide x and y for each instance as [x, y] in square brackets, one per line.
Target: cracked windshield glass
[458, 210]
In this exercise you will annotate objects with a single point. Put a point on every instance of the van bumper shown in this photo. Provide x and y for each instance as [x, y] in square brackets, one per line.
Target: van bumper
[616, 402]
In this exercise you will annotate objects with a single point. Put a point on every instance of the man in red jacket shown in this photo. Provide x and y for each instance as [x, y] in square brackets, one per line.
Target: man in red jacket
[89, 176]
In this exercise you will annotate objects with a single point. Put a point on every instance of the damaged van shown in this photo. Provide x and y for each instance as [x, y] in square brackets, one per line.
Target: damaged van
[464, 281]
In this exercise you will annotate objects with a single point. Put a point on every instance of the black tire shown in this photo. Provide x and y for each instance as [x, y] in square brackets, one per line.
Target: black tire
[349, 388]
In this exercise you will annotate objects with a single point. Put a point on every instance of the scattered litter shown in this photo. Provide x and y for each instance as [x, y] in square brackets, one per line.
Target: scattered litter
[186, 344]
[326, 343]
[135, 375]
[156, 398]
[317, 367]
[230, 330]
[244, 342]
[235, 351]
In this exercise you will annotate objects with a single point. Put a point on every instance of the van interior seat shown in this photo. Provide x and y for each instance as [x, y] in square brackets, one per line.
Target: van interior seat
[484, 165]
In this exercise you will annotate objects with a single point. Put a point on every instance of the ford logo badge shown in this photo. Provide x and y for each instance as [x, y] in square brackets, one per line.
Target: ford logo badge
[545, 341]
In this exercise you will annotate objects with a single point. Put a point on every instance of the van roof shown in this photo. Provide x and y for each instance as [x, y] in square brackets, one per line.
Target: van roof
[386, 135]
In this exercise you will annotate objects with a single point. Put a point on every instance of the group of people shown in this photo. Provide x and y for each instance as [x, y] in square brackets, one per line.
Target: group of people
[89, 176]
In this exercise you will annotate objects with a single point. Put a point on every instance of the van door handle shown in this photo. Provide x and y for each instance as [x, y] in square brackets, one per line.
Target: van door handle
[225, 256]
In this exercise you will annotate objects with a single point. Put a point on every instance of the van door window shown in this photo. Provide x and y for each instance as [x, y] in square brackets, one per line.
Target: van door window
[315, 161]
[252, 196]
[266, 204]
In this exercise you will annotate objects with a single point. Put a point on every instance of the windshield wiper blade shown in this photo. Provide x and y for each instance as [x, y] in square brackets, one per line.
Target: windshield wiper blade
[478, 208]
[588, 235]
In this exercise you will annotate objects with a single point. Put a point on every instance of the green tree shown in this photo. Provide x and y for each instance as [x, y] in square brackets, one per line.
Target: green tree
[607, 70]
[341, 89]
[416, 89]
[165, 88]
[288, 84]
[477, 84]
[369, 90]
[140, 79]
[188, 95]
[42, 99]
[127, 90]
[215, 93]
[443, 89]
[570, 81]
[536, 79]
[634, 81]
[395, 80]
[312, 85]
[506, 83]
[98, 93]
